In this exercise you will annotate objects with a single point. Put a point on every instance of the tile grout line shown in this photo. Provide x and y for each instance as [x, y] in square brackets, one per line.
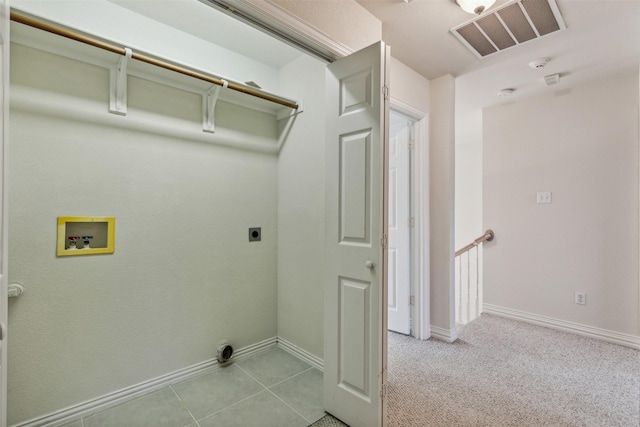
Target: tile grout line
[278, 383]
[252, 377]
[293, 376]
[290, 407]
[184, 405]
[241, 400]
[285, 380]
[233, 404]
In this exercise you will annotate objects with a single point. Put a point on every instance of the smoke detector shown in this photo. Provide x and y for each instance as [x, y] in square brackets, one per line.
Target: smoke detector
[505, 92]
[539, 63]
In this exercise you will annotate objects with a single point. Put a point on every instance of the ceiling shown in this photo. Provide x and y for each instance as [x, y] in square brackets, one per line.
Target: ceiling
[602, 37]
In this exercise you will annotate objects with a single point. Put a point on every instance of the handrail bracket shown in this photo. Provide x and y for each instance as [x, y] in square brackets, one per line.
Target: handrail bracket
[486, 237]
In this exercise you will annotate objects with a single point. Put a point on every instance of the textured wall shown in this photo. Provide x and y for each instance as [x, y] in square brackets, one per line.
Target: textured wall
[344, 21]
[183, 275]
[581, 145]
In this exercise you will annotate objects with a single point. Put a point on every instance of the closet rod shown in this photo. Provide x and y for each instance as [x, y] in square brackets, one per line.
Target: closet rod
[41, 25]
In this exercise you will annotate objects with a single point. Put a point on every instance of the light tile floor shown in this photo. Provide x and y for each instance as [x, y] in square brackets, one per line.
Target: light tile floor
[271, 389]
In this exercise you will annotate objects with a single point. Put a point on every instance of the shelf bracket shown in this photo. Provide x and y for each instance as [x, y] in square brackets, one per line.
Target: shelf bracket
[287, 113]
[118, 92]
[288, 116]
[209, 101]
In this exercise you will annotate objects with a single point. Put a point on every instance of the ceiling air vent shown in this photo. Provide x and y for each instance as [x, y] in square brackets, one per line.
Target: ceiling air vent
[510, 25]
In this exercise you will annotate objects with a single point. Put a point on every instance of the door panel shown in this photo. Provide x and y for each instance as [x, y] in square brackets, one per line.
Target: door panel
[354, 360]
[355, 255]
[355, 187]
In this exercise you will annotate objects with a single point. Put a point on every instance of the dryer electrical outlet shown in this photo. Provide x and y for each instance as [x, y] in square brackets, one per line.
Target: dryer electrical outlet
[255, 234]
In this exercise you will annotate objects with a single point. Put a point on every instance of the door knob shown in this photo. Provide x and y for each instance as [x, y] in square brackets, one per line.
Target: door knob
[369, 264]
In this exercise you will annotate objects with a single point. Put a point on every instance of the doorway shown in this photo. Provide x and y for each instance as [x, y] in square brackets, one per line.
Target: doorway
[400, 284]
[406, 122]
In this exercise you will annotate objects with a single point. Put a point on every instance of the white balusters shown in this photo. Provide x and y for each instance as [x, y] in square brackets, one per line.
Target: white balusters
[468, 286]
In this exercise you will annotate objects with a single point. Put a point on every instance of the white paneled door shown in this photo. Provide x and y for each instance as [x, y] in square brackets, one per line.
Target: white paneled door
[399, 286]
[4, 132]
[355, 245]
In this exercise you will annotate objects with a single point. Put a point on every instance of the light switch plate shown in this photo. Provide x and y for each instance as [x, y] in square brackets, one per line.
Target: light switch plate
[543, 197]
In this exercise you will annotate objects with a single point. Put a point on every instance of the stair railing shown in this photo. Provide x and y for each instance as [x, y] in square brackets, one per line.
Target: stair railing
[467, 281]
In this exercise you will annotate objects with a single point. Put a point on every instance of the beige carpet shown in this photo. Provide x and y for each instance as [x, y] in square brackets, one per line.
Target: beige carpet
[328, 421]
[503, 373]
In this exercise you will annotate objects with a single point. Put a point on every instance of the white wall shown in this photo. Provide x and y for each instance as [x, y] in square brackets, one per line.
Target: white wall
[582, 145]
[441, 206]
[408, 86]
[183, 275]
[301, 183]
[468, 180]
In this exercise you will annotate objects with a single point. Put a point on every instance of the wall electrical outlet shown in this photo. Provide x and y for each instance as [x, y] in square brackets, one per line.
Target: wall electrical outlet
[543, 197]
[580, 298]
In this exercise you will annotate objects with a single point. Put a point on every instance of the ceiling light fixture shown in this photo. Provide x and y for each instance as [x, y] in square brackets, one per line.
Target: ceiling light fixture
[475, 6]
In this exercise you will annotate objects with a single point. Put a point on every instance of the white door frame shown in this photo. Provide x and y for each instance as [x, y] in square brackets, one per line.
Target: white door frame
[399, 285]
[4, 217]
[420, 212]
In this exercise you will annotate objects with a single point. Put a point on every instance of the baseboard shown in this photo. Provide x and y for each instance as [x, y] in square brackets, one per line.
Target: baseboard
[619, 338]
[301, 354]
[447, 335]
[76, 411]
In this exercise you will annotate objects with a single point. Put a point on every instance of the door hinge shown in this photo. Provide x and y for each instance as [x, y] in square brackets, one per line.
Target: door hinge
[411, 145]
[383, 241]
[412, 300]
[412, 222]
[385, 92]
[383, 391]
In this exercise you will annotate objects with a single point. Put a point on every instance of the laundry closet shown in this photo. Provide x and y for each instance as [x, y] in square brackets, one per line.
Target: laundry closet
[187, 180]
[156, 217]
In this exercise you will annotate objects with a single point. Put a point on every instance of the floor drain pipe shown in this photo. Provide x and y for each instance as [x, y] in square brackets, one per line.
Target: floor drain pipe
[225, 352]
